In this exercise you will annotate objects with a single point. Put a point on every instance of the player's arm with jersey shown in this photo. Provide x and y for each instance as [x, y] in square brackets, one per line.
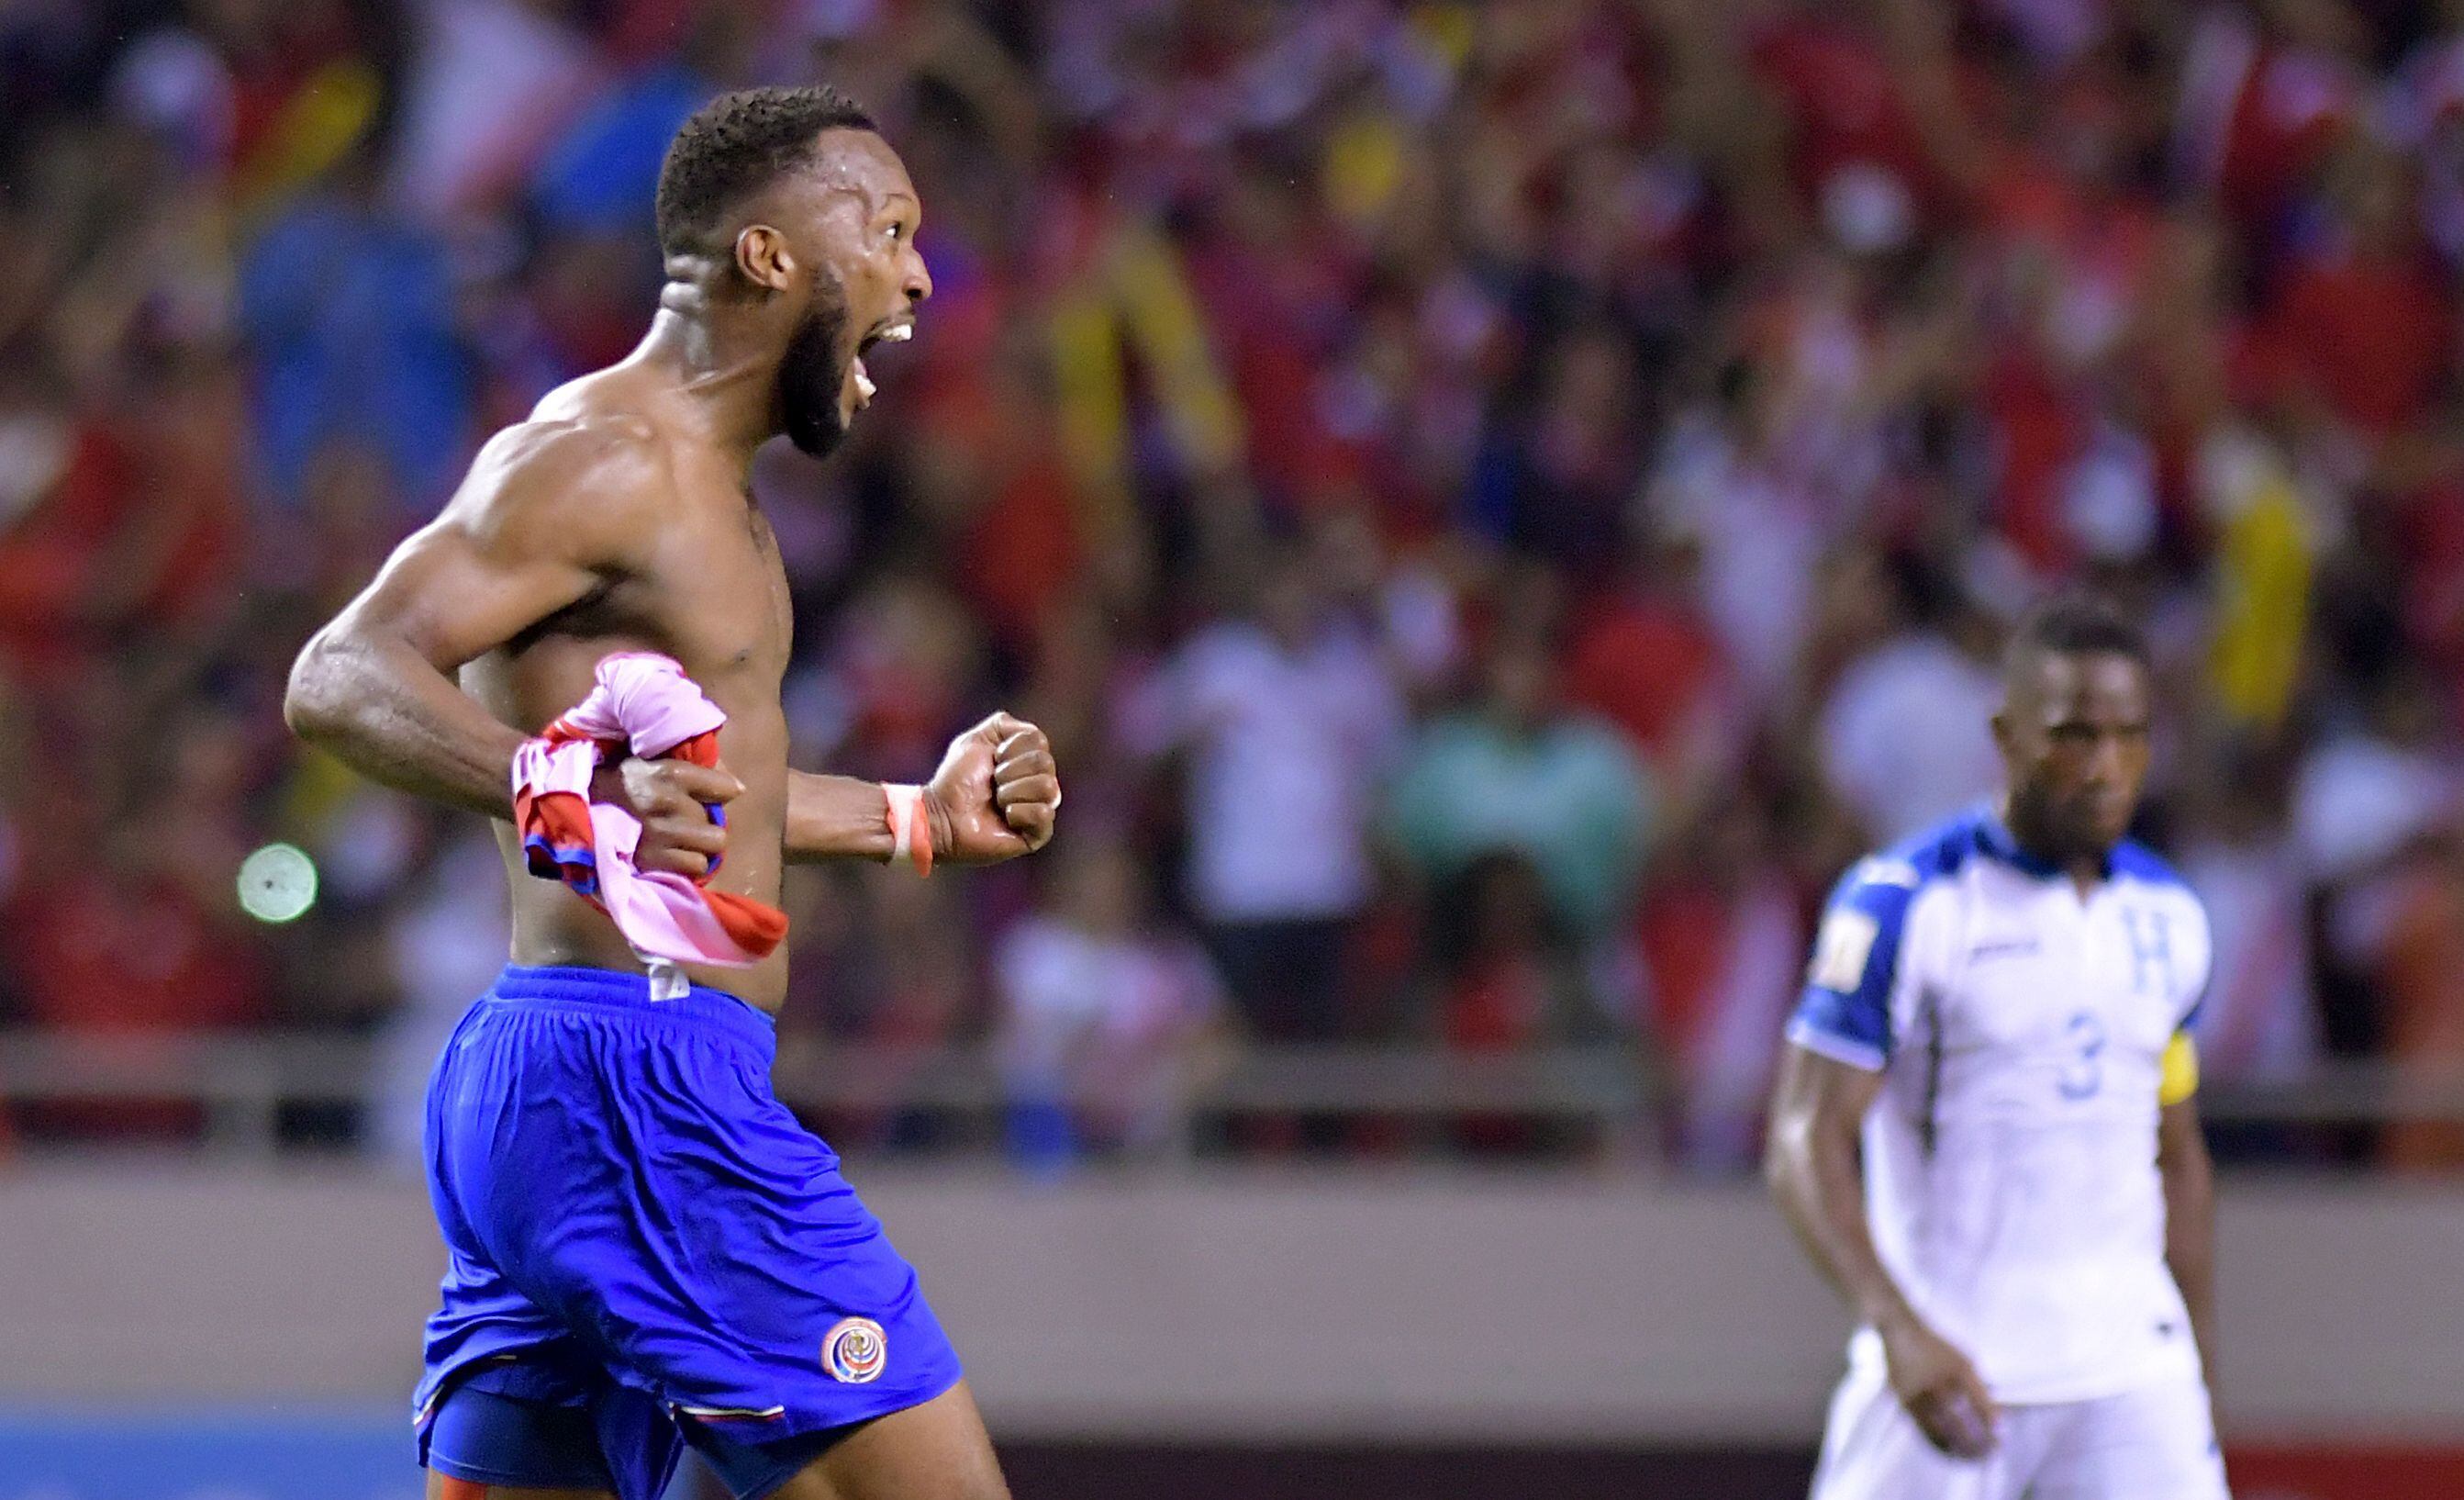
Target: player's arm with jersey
[1831, 1073]
[550, 514]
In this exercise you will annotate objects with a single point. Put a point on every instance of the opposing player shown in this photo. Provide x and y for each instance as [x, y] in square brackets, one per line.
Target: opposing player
[645, 1250]
[1985, 1132]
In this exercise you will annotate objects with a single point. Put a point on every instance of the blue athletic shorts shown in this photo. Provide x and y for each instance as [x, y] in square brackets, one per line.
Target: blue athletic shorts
[645, 1250]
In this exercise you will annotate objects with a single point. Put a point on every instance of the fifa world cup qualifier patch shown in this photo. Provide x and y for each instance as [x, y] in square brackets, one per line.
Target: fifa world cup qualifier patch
[1840, 950]
[855, 1350]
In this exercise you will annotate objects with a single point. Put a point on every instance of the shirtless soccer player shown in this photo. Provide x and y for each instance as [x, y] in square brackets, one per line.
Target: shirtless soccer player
[1986, 1133]
[645, 1250]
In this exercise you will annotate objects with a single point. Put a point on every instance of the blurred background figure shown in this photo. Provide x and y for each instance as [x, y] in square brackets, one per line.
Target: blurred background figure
[1712, 929]
[1105, 1015]
[2258, 1024]
[1287, 714]
[1516, 771]
[1934, 666]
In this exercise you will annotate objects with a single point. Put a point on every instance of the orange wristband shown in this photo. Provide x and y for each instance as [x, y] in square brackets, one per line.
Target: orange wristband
[910, 831]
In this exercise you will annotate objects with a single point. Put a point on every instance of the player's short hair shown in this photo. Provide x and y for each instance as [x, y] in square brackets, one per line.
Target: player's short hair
[737, 144]
[2076, 624]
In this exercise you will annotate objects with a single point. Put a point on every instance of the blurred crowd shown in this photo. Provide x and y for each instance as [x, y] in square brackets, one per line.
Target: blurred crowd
[1496, 504]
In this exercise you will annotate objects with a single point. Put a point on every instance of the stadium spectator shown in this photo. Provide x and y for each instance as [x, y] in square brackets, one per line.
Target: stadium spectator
[1289, 713]
[1929, 671]
[1515, 772]
[1104, 1013]
[1719, 933]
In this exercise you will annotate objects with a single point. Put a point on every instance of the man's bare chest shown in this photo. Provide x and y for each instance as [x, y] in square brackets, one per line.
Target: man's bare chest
[710, 591]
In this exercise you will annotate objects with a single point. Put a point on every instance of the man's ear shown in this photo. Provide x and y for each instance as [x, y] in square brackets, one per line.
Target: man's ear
[762, 254]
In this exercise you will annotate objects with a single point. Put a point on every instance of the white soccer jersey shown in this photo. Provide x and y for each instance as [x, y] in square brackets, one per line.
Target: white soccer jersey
[2009, 1159]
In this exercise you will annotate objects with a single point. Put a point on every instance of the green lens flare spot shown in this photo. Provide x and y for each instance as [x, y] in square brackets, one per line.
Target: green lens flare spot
[277, 883]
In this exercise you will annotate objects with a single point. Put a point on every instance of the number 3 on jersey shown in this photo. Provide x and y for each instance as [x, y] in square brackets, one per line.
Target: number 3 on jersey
[2084, 1073]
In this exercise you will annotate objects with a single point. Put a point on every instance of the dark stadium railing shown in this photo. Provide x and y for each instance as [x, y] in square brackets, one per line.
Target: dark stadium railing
[242, 1094]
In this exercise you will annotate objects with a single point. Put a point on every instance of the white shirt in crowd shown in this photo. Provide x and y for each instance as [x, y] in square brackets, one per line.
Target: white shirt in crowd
[1906, 737]
[1286, 749]
[1761, 537]
[1100, 1021]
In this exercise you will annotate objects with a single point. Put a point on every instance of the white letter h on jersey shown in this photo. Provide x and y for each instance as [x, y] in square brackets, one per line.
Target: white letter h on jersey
[2151, 944]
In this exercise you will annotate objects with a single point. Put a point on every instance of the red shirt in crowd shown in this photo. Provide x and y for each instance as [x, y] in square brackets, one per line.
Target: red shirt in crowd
[2371, 333]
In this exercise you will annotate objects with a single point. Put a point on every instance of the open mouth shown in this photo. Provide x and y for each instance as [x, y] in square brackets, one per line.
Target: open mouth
[894, 330]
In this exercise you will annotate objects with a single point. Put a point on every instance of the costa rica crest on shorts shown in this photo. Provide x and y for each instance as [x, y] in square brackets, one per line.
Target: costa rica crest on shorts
[855, 1350]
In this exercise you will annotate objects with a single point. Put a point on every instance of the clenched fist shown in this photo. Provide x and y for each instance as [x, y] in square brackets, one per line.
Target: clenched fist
[996, 795]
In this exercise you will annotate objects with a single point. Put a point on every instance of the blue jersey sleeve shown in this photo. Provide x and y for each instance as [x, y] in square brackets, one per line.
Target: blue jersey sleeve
[1845, 1012]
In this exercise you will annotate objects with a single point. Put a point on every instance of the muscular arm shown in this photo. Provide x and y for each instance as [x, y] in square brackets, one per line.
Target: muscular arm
[534, 529]
[2190, 1220]
[1811, 1164]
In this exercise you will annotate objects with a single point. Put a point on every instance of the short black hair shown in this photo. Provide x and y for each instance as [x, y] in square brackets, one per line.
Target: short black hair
[2076, 624]
[734, 145]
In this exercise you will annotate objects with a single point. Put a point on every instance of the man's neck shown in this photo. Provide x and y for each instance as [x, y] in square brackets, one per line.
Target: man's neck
[726, 372]
[2086, 871]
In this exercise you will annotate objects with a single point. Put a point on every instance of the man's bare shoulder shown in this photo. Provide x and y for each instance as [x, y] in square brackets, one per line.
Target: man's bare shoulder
[586, 483]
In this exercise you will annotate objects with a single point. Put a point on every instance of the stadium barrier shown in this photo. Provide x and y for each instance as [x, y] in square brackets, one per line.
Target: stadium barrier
[240, 1086]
